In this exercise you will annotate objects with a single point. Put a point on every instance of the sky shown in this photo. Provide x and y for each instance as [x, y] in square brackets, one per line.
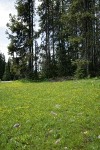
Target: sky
[6, 7]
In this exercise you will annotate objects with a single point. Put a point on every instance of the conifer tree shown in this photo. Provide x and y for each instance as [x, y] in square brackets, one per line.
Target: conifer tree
[21, 45]
[7, 73]
[2, 65]
[70, 38]
[80, 25]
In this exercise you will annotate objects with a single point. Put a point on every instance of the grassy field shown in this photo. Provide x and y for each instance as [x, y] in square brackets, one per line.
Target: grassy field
[50, 115]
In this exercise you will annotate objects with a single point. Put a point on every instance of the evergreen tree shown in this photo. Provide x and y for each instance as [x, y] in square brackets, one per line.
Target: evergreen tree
[45, 16]
[63, 59]
[7, 73]
[70, 38]
[54, 54]
[21, 45]
[2, 65]
[80, 25]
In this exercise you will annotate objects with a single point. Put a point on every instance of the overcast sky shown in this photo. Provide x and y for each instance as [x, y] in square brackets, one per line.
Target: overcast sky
[6, 7]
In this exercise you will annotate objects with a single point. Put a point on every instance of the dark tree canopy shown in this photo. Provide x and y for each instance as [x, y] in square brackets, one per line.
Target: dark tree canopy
[2, 65]
[68, 36]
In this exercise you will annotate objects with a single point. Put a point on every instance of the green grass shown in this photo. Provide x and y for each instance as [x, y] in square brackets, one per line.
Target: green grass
[51, 115]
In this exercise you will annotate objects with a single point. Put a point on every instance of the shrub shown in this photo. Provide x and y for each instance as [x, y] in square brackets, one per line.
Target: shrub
[81, 68]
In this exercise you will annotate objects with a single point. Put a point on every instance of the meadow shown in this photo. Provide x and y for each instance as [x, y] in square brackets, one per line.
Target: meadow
[50, 115]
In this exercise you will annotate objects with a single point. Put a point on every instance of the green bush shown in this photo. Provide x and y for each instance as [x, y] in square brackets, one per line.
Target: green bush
[81, 68]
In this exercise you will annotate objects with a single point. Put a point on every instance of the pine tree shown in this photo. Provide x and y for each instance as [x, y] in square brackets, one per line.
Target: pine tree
[2, 65]
[80, 25]
[21, 45]
[70, 38]
[45, 16]
[7, 73]
[54, 54]
[63, 60]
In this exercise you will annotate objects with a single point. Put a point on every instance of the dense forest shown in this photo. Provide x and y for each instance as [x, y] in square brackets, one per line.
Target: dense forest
[66, 44]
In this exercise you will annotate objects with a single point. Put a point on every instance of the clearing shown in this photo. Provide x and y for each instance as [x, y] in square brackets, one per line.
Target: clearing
[50, 115]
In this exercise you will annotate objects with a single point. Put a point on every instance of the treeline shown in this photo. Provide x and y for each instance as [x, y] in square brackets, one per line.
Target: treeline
[5, 73]
[2, 65]
[67, 43]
